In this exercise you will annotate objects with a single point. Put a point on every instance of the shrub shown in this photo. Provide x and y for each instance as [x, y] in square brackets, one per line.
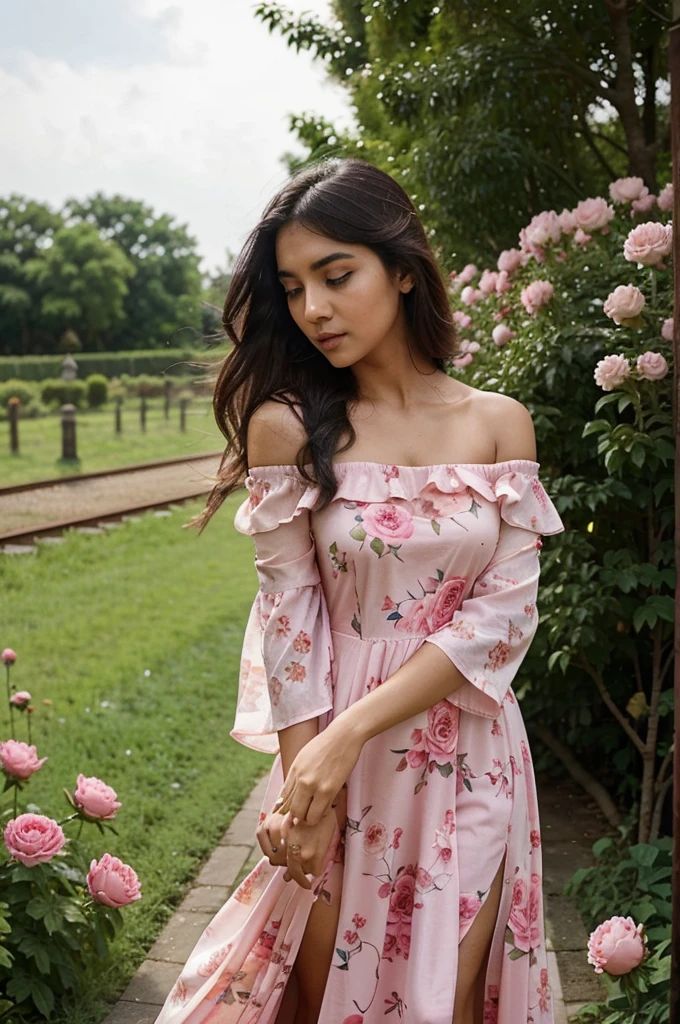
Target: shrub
[97, 390]
[60, 392]
[70, 342]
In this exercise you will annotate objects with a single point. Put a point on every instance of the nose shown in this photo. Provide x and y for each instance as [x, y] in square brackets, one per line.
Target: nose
[317, 303]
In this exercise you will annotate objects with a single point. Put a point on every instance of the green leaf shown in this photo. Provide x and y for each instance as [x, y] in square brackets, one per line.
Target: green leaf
[377, 545]
[638, 455]
[596, 427]
[42, 996]
[643, 854]
[358, 533]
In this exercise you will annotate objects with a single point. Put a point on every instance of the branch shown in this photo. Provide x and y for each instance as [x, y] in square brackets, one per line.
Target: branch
[655, 823]
[638, 672]
[605, 138]
[609, 701]
[591, 142]
[587, 782]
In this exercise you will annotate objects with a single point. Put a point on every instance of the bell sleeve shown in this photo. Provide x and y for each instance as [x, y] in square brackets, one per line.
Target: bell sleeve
[490, 633]
[286, 663]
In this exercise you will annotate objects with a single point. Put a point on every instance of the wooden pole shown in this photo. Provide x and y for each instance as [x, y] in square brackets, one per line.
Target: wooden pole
[674, 68]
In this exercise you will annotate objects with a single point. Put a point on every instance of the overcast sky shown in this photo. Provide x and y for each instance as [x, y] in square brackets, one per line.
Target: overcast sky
[180, 104]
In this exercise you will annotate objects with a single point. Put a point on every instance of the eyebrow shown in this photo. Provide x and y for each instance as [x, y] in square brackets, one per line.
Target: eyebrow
[317, 264]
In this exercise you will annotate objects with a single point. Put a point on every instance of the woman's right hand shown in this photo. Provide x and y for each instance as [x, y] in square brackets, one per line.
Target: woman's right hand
[276, 833]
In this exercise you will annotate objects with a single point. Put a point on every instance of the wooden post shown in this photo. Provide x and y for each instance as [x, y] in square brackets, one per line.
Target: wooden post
[68, 432]
[168, 388]
[674, 68]
[13, 413]
[119, 415]
[183, 402]
[142, 413]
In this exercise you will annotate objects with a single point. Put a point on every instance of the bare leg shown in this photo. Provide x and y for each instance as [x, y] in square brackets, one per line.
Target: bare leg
[313, 961]
[473, 955]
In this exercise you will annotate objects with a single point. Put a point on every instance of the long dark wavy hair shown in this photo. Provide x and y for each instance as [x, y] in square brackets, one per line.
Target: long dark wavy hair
[347, 200]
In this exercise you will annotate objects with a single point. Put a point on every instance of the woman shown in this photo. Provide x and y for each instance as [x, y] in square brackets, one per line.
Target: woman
[396, 514]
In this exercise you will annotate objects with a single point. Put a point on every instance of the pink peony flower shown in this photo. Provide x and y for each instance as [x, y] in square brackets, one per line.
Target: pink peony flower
[112, 882]
[593, 214]
[503, 283]
[461, 319]
[611, 371]
[625, 190]
[467, 274]
[624, 303]
[487, 282]
[616, 946]
[509, 261]
[440, 735]
[8, 656]
[33, 839]
[470, 295]
[648, 243]
[20, 699]
[388, 522]
[536, 295]
[95, 798]
[652, 365]
[665, 200]
[567, 222]
[375, 839]
[581, 238]
[542, 230]
[19, 760]
[502, 334]
[667, 329]
[464, 360]
[643, 205]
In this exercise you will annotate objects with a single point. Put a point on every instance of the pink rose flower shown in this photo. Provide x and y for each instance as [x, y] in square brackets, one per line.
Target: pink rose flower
[616, 946]
[643, 205]
[523, 920]
[95, 798]
[536, 295]
[19, 760]
[625, 190]
[502, 335]
[487, 282]
[567, 222]
[447, 599]
[375, 839]
[440, 735]
[461, 319]
[112, 882]
[470, 295]
[652, 365]
[509, 261]
[388, 522]
[581, 238]
[468, 905]
[8, 656]
[648, 243]
[416, 618]
[611, 371]
[624, 303]
[665, 200]
[467, 274]
[20, 698]
[593, 214]
[469, 346]
[667, 329]
[33, 839]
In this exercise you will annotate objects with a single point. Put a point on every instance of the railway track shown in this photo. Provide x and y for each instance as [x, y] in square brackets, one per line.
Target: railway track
[49, 507]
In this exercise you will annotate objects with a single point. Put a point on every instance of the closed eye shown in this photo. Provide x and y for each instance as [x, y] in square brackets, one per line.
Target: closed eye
[329, 280]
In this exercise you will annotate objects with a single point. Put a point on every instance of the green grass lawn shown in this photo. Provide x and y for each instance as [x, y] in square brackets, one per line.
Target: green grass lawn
[135, 636]
[99, 447]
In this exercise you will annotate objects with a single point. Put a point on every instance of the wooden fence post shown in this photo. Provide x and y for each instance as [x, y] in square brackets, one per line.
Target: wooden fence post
[13, 413]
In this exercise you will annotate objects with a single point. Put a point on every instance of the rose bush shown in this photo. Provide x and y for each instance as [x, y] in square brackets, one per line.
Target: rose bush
[57, 918]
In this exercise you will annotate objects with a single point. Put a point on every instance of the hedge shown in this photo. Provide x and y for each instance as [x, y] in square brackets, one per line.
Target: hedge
[111, 364]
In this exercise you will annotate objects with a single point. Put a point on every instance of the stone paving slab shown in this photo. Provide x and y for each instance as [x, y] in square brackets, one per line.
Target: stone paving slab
[179, 937]
[223, 865]
[205, 898]
[151, 984]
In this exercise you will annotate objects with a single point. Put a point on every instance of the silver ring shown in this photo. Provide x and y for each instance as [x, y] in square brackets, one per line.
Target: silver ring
[275, 849]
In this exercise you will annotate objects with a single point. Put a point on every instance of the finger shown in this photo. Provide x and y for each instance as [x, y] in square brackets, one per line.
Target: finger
[295, 869]
[318, 808]
[299, 807]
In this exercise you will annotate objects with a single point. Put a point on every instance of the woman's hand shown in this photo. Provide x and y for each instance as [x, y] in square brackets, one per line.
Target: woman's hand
[276, 835]
[318, 773]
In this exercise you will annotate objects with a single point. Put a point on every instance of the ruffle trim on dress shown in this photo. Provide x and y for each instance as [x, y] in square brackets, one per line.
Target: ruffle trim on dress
[276, 494]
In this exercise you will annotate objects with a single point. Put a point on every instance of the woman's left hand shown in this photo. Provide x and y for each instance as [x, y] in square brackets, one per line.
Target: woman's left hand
[318, 773]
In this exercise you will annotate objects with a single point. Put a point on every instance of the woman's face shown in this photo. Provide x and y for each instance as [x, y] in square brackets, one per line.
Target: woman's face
[350, 295]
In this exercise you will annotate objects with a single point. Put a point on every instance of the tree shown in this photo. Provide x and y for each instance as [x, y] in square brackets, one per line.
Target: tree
[26, 230]
[164, 294]
[485, 112]
[80, 282]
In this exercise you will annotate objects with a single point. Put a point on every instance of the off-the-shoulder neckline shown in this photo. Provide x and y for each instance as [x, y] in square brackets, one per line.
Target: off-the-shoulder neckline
[434, 465]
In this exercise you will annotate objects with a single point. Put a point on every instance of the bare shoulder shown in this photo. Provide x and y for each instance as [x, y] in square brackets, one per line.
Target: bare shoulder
[511, 424]
[275, 435]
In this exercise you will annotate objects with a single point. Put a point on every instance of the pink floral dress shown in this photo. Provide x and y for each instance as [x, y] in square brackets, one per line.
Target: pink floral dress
[442, 554]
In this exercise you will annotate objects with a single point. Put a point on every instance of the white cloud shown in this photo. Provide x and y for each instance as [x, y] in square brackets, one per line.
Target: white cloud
[198, 134]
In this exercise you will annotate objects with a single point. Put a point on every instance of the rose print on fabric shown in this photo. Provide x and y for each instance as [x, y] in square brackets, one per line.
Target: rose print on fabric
[384, 524]
[523, 931]
[435, 505]
[338, 561]
[491, 1005]
[257, 490]
[430, 611]
[434, 747]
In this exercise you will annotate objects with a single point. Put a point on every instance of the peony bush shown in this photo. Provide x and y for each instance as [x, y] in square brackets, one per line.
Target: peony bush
[58, 914]
[579, 328]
